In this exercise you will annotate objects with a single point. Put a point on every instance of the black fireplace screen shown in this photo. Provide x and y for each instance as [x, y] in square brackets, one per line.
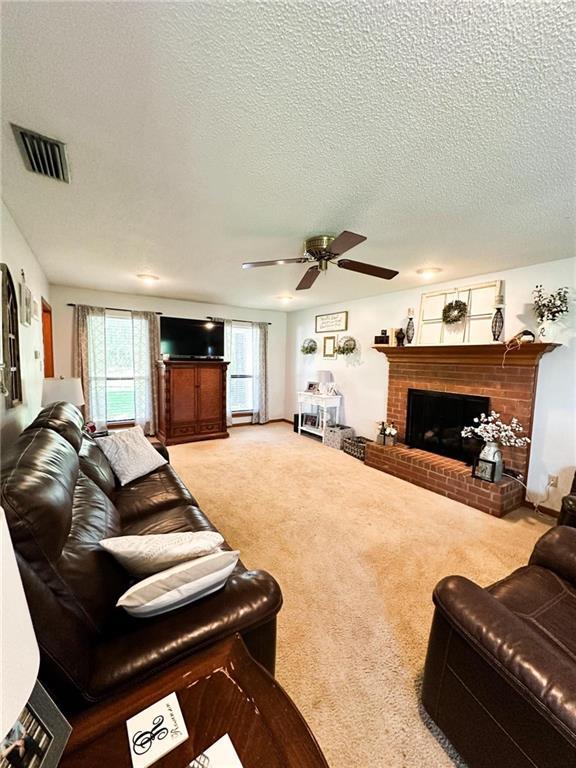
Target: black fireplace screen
[435, 421]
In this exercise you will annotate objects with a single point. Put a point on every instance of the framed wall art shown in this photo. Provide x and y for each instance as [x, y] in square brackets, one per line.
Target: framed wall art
[335, 321]
[329, 346]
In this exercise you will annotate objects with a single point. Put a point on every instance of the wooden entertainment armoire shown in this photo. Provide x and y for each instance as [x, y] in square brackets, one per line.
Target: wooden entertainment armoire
[191, 401]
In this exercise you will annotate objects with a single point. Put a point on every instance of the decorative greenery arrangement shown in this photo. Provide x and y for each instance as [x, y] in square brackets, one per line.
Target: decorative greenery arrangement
[492, 430]
[309, 347]
[454, 312]
[550, 306]
[346, 345]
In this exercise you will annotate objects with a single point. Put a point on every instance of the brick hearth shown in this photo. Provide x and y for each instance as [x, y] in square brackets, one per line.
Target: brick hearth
[510, 384]
[448, 477]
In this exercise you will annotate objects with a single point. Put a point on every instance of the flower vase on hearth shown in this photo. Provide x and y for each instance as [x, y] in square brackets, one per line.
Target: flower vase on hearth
[491, 452]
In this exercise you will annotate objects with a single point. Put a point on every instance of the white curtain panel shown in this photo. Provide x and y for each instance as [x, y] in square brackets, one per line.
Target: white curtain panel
[228, 356]
[89, 360]
[146, 352]
[260, 373]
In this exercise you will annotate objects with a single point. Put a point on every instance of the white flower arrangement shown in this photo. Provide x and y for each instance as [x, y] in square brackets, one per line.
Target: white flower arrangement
[387, 429]
[492, 430]
[550, 306]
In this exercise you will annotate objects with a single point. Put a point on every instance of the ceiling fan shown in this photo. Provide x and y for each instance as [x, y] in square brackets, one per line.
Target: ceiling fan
[321, 250]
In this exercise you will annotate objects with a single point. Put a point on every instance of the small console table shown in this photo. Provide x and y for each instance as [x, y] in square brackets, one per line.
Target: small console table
[323, 403]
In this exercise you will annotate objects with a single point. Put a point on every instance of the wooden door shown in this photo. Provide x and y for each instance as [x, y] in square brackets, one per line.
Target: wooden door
[210, 394]
[183, 399]
[48, 340]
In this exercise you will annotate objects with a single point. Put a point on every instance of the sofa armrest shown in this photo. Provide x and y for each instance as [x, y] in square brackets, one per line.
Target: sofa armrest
[556, 550]
[525, 657]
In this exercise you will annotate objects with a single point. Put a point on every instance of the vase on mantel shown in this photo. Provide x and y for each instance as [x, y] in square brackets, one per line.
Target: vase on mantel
[547, 331]
[491, 452]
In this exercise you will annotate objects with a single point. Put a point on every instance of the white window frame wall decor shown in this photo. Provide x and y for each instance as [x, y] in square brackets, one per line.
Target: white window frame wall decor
[476, 328]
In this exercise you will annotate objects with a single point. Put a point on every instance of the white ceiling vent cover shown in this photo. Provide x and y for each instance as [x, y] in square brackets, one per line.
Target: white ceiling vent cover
[42, 155]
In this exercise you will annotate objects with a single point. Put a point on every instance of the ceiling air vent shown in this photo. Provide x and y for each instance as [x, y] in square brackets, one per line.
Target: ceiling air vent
[42, 155]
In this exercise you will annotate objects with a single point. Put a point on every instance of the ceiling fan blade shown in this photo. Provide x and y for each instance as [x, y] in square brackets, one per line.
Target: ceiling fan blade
[309, 278]
[250, 264]
[344, 242]
[367, 269]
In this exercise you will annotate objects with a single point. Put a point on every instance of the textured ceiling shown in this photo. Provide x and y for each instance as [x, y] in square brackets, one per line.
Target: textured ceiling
[204, 134]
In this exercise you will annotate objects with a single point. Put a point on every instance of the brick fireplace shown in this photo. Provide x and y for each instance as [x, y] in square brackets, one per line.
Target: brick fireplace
[480, 369]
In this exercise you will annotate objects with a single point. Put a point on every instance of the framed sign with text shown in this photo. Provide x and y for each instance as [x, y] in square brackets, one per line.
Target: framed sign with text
[335, 321]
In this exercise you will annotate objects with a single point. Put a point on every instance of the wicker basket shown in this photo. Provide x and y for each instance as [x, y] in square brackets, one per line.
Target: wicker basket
[355, 446]
[334, 436]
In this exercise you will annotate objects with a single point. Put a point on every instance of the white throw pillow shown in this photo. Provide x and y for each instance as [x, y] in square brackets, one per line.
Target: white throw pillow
[143, 555]
[130, 454]
[180, 585]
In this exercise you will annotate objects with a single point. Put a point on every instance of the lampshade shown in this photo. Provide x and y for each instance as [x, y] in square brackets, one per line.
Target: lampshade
[323, 377]
[19, 657]
[69, 390]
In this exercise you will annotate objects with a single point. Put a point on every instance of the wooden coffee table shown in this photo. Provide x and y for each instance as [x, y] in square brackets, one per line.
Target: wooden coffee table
[221, 690]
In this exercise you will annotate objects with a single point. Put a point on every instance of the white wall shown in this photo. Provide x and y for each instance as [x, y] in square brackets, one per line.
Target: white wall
[61, 295]
[363, 380]
[17, 255]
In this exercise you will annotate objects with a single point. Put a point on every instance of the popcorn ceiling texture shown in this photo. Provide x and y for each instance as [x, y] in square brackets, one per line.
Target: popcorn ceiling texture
[204, 134]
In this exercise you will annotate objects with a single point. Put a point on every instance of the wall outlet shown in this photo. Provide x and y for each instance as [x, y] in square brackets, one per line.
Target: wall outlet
[553, 481]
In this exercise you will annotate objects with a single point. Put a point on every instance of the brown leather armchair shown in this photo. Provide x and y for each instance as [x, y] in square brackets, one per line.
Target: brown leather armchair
[500, 673]
[61, 498]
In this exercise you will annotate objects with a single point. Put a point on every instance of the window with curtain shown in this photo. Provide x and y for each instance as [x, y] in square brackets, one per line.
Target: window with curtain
[245, 346]
[116, 353]
[241, 368]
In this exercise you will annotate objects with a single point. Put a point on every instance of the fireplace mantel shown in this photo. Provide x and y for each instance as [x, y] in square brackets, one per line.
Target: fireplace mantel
[527, 355]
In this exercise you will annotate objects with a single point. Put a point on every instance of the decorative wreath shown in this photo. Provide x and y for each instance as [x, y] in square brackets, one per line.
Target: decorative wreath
[346, 345]
[309, 347]
[454, 312]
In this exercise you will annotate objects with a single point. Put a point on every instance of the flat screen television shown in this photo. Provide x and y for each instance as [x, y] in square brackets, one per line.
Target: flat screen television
[185, 339]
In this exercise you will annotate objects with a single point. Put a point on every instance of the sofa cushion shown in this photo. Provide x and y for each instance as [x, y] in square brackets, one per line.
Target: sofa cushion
[94, 576]
[143, 555]
[96, 466]
[544, 601]
[63, 418]
[130, 453]
[185, 517]
[154, 492]
[180, 585]
[39, 473]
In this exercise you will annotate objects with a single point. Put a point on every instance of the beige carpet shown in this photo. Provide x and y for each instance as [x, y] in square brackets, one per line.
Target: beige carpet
[357, 554]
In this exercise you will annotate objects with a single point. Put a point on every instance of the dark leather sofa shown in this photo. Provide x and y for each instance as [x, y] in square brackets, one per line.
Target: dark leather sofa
[500, 673]
[61, 498]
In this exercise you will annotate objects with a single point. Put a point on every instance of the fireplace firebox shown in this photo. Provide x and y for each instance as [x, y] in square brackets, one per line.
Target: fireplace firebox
[435, 421]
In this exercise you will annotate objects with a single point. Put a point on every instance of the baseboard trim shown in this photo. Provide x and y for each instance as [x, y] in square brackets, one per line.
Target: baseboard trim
[546, 510]
[249, 424]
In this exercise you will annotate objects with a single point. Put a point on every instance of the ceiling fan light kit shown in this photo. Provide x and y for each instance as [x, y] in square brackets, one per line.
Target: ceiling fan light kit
[322, 250]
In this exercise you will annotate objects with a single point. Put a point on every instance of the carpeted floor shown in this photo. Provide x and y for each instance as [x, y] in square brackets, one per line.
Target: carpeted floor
[357, 554]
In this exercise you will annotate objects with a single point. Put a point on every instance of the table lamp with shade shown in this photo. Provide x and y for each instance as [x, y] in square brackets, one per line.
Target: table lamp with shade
[324, 378]
[20, 656]
[67, 389]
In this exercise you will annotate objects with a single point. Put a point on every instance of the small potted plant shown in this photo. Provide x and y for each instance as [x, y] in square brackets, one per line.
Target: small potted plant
[495, 433]
[548, 308]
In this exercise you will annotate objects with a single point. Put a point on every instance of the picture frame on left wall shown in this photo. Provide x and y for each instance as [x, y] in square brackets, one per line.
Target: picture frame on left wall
[39, 735]
[25, 304]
